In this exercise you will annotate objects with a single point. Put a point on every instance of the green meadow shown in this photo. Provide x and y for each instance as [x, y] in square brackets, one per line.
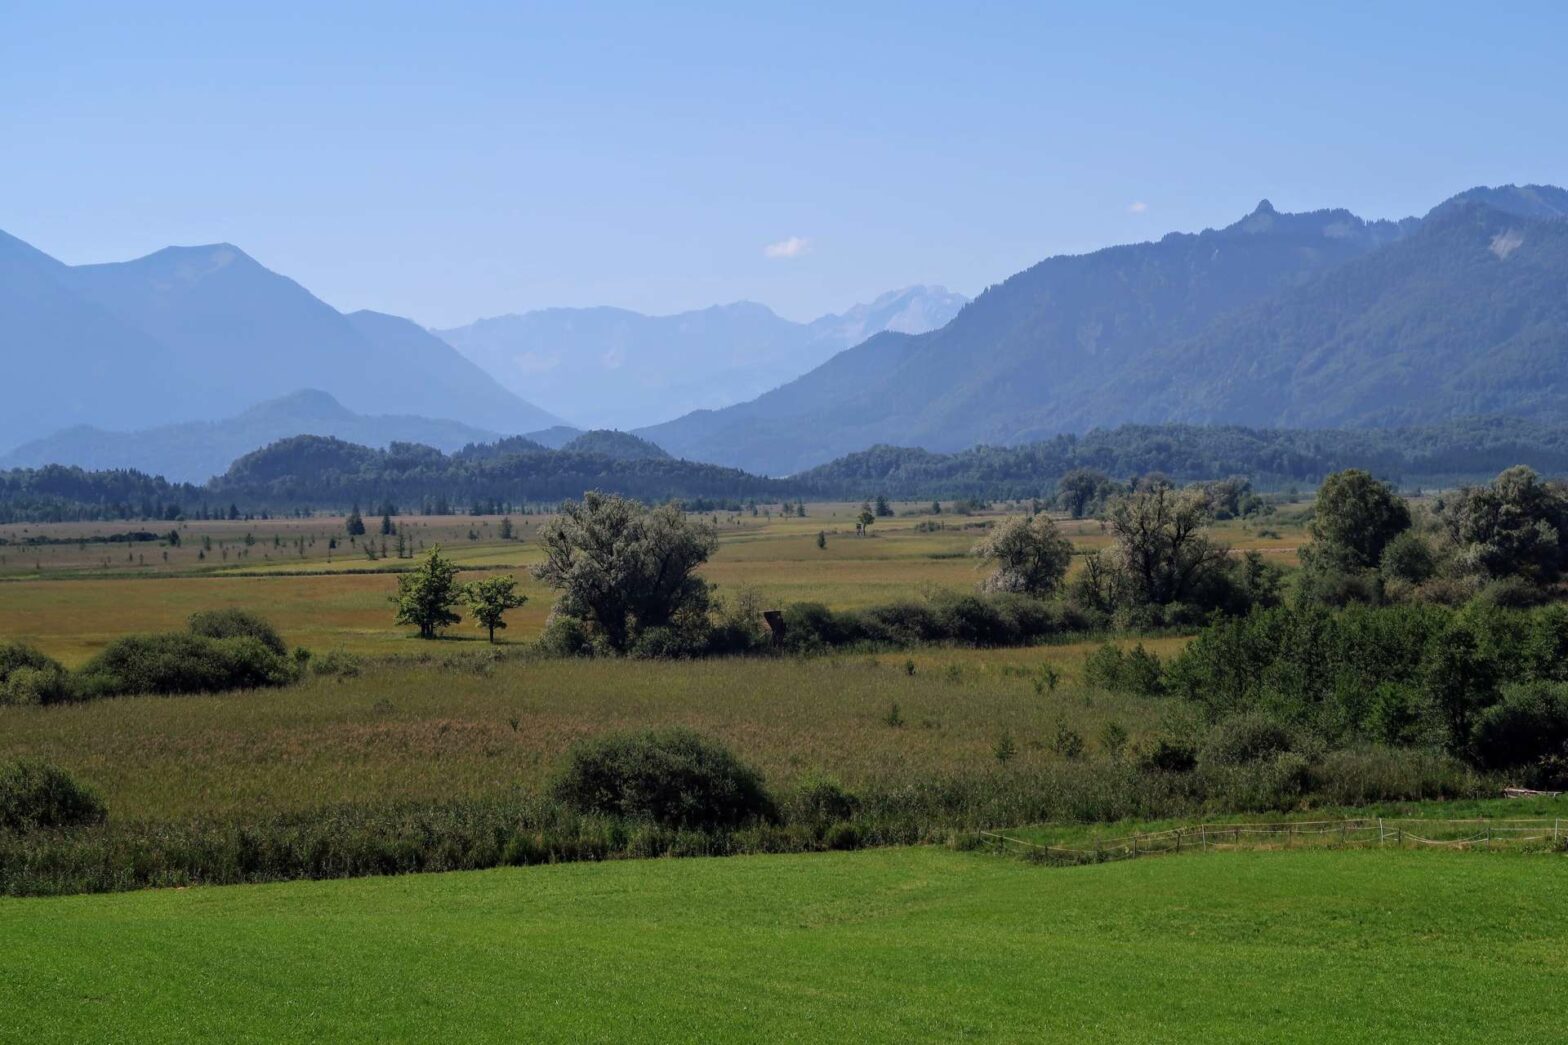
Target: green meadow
[883, 945]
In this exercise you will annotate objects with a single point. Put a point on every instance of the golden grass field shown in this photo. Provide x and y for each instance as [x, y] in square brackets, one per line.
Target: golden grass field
[462, 726]
[437, 720]
[71, 599]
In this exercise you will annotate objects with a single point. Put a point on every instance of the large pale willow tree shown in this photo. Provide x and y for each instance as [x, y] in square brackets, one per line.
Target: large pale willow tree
[621, 567]
[1030, 556]
[1160, 553]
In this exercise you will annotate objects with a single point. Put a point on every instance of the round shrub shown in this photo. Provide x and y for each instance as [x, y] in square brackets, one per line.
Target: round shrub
[29, 677]
[821, 802]
[1530, 723]
[1171, 756]
[234, 624]
[565, 636]
[15, 655]
[1244, 739]
[673, 777]
[36, 794]
[672, 642]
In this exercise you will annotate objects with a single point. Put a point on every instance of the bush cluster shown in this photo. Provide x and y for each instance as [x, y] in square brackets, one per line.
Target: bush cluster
[1136, 671]
[1000, 619]
[222, 650]
[1484, 683]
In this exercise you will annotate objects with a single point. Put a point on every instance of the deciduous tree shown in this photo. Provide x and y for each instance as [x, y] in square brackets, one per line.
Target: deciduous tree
[426, 595]
[490, 598]
[621, 567]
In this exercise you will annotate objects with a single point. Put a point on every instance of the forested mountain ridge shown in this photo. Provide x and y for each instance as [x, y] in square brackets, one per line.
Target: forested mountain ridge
[1468, 315]
[311, 472]
[1278, 320]
[1032, 355]
[308, 471]
[1465, 450]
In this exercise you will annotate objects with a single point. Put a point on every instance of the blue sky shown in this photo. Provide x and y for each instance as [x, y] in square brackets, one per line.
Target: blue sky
[448, 161]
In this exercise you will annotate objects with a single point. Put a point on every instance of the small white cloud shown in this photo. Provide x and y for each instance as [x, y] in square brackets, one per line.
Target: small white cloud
[793, 247]
[1137, 207]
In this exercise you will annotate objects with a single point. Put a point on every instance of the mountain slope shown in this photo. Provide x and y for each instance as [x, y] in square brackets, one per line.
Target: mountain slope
[68, 360]
[195, 451]
[612, 367]
[199, 333]
[1467, 316]
[1031, 356]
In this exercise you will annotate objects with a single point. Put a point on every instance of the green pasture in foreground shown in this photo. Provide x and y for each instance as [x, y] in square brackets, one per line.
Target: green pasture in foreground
[886, 945]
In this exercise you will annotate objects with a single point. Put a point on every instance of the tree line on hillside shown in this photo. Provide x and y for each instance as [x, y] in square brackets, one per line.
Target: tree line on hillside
[1459, 450]
[1080, 472]
[57, 493]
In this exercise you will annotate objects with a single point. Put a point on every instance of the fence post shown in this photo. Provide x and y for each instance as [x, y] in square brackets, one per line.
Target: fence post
[1203, 835]
[1380, 832]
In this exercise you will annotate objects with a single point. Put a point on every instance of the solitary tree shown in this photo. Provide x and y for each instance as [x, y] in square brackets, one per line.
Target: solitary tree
[354, 525]
[883, 509]
[388, 528]
[426, 595]
[490, 598]
[1355, 517]
[506, 528]
[1030, 555]
[622, 567]
[864, 520]
[822, 538]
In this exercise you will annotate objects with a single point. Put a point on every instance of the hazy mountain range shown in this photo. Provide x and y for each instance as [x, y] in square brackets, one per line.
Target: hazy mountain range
[201, 333]
[195, 451]
[1302, 319]
[612, 368]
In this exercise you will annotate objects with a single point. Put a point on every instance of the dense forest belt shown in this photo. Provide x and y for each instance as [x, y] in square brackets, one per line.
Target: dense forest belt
[310, 472]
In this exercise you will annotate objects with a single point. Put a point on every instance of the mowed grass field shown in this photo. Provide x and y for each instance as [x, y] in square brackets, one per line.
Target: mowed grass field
[405, 730]
[70, 600]
[880, 945]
